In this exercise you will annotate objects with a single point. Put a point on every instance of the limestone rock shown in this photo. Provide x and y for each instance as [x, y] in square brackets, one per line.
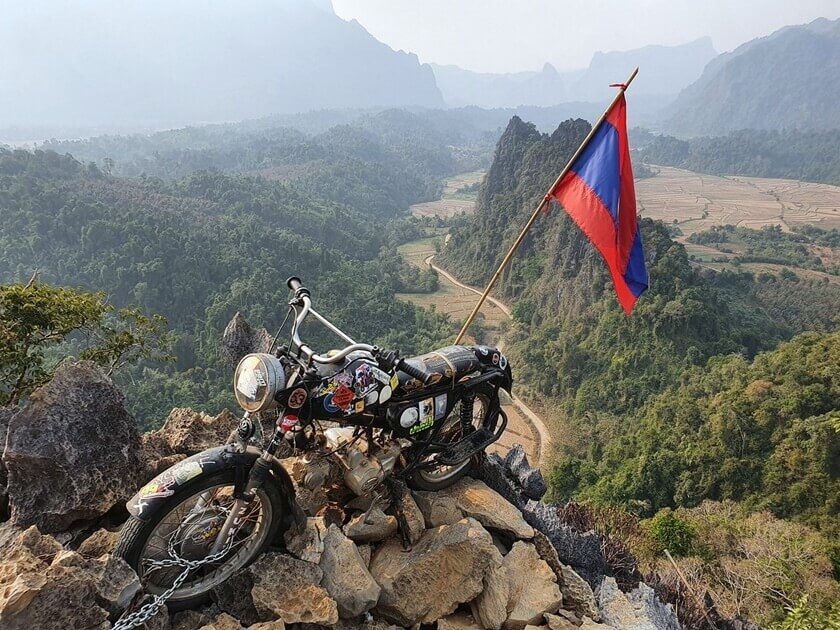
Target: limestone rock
[278, 624]
[240, 338]
[75, 434]
[414, 519]
[490, 607]
[99, 543]
[190, 620]
[458, 621]
[588, 624]
[6, 414]
[289, 588]
[379, 527]
[438, 509]
[305, 540]
[532, 585]
[578, 595]
[365, 551]
[116, 583]
[488, 507]
[548, 553]
[223, 622]
[530, 479]
[445, 568]
[346, 575]
[563, 620]
[636, 610]
[233, 596]
[187, 432]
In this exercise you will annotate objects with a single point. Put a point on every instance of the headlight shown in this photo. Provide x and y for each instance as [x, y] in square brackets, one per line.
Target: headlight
[257, 379]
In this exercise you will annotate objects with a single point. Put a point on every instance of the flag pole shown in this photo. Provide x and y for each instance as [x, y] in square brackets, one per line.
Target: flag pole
[622, 87]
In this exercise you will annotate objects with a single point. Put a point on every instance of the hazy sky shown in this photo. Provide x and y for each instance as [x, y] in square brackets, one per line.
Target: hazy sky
[511, 35]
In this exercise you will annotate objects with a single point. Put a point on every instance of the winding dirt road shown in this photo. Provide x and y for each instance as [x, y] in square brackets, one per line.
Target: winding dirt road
[524, 422]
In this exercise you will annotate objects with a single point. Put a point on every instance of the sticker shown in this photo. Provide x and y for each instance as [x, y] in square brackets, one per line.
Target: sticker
[482, 350]
[289, 422]
[185, 471]
[381, 376]
[328, 388]
[342, 397]
[297, 398]
[364, 379]
[247, 383]
[503, 362]
[409, 417]
[385, 394]
[344, 378]
[372, 397]
[394, 382]
[156, 490]
[329, 407]
[259, 376]
[427, 410]
[440, 406]
[360, 406]
[495, 358]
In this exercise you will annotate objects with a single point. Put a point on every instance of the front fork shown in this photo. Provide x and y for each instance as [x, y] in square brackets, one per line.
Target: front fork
[256, 479]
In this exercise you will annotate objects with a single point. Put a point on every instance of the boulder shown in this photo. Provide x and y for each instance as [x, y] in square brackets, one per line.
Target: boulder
[233, 596]
[278, 624]
[223, 622]
[490, 607]
[187, 432]
[305, 540]
[240, 338]
[75, 434]
[444, 569]
[578, 595]
[414, 520]
[99, 543]
[438, 509]
[563, 620]
[6, 414]
[488, 507]
[190, 620]
[637, 610]
[529, 479]
[532, 587]
[458, 621]
[378, 526]
[346, 575]
[588, 624]
[289, 589]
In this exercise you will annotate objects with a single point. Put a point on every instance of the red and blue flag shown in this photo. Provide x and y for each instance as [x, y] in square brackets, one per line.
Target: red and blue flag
[599, 195]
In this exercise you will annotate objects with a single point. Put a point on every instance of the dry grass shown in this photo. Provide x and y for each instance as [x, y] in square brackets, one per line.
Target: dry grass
[452, 202]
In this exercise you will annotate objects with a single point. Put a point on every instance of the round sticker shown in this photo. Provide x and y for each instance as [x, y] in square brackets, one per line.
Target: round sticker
[503, 362]
[495, 358]
[385, 394]
[297, 398]
[409, 417]
[372, 397]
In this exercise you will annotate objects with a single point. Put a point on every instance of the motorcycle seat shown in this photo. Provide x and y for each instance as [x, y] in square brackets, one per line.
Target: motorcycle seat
[451, 363]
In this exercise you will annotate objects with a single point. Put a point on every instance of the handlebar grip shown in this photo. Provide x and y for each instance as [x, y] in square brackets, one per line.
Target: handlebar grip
[294, 283]
[419, 373]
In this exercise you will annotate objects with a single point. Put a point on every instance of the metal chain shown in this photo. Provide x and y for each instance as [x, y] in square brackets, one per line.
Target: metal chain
[148, 611]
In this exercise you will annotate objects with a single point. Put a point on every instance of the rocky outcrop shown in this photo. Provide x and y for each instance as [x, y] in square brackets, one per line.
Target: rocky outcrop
[637, 610]
[346, 575]
[184, 432]
[290, 589]
[529, 479]
[488, 507]
[74, 433]
[240, 338]
[532, 587]
[6, 414]
[445, 568]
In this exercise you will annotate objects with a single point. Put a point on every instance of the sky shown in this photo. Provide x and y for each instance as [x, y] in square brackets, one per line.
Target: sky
[514, 35]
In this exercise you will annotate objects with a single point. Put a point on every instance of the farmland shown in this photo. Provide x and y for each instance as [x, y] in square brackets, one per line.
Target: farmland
[455, 200]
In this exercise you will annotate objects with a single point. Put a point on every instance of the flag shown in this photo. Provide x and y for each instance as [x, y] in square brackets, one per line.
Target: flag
[599, 195]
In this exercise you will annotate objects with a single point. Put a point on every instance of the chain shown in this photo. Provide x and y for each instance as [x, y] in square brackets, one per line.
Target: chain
[148, 611]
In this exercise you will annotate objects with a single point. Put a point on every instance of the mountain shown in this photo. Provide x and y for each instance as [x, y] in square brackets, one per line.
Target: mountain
[159, 63]
[665, 71]
[782, 81]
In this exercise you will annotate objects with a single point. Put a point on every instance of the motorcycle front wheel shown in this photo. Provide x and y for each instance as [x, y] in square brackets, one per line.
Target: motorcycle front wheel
[186, 526]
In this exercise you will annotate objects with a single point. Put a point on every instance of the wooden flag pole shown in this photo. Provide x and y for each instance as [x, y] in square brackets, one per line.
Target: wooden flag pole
[545, 200]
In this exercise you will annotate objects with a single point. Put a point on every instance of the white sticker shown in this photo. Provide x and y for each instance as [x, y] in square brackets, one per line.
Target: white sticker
[427, 410]
[247, 383]
[381, 376]
[503, 362]
[409, 417]
[371, 398]
[440, 406]
[385, 394]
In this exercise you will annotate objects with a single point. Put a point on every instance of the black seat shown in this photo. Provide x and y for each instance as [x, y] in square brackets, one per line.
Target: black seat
[451, 363]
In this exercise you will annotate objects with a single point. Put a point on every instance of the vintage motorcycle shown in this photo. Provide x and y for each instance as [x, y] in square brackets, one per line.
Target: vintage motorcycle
[388, 421]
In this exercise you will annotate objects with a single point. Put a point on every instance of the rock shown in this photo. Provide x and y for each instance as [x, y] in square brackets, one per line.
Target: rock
[223, 622]
[488, 507]
[458, 621]
[578, 595]
[561, 622]
[187, 432]
[43, 586]
[532, 587]
[490, 607]
[530, 479]
[190, 620]
[116, 583]
[6, 414]
[415, 522]
[438, 509]
[445, 568]
[75, 434]
[548, 553]
[312, 481]
[233, 596]
[289, 588]
[279, 624]
[365, 551]
[99, 543]
[379, 527]
[240, 338]
[636, 610]
[305, 541]
[346, 575]
[588, 624]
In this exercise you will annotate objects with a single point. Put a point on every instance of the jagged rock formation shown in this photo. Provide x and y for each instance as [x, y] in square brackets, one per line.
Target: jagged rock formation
[240, 338]
[485, 553]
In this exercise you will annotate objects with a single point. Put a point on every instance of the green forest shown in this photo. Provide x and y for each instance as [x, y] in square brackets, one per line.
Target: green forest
[719, 387]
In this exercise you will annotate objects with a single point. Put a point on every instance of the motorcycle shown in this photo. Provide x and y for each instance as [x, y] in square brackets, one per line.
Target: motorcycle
[387, 421]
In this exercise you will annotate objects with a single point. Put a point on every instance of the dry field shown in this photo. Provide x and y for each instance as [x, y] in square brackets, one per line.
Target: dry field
[452, 202]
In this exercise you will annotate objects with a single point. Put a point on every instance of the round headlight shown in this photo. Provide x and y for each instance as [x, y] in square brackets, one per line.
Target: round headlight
[257, 379]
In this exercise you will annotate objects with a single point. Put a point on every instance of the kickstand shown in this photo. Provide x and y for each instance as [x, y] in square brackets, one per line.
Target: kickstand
[396, 491]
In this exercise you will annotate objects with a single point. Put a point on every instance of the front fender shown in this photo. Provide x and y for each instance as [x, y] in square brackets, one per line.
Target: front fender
[151, 497]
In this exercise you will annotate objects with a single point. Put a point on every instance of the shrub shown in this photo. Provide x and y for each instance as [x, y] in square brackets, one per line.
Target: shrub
[669, 531]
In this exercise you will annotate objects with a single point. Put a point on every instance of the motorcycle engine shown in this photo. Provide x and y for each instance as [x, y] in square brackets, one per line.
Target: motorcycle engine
[363, 472]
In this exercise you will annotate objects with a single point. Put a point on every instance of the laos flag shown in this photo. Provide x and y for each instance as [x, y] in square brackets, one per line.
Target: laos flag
[599, 195]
